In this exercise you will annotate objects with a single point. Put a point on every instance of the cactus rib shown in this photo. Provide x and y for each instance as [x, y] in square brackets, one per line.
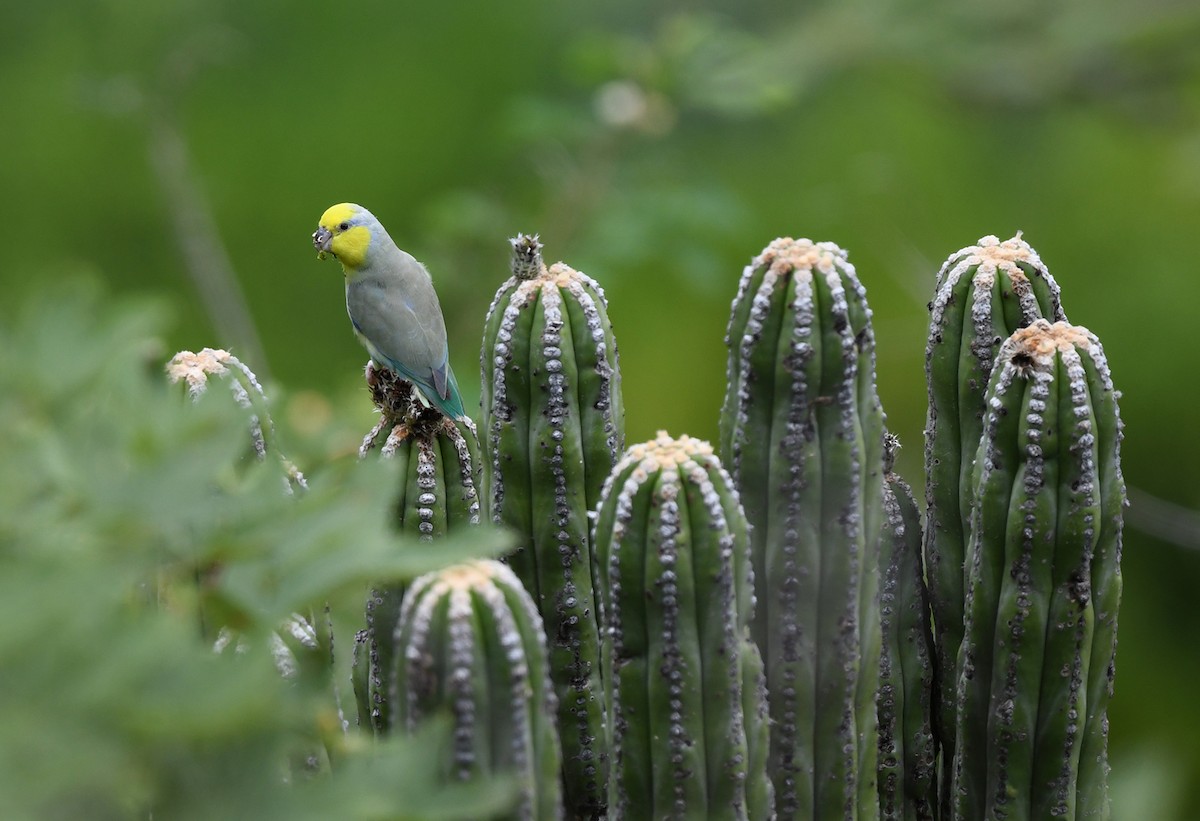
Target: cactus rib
[436, 459]
[684, 687]
[802, 432]
[984, 293]
[469, 640]
[554, 426]
[1029, 655]
[907, 745]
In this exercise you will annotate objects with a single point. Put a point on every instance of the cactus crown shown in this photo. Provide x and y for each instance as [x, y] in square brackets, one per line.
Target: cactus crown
[785, 255]
[666, 452]
[1037, 343]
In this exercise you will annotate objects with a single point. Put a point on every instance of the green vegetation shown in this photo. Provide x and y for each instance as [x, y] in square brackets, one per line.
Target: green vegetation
[187, 148]
[139, 532]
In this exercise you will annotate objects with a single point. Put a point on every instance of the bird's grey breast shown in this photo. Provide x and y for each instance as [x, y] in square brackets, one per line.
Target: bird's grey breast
[384, 310]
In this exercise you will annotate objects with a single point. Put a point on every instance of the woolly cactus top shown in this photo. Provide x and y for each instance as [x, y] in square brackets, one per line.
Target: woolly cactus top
[528, 267]
[784, 255]
[666, 452]
[465, 577]
[986, 258]
[195, 368]
[473, 575]
[1014, 259]
[1040, 340]
[992, 253]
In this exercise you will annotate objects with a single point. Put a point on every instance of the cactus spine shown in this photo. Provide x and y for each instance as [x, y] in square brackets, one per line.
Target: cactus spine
[1035, 668]
[437, 496]
[907, 747]
[984, 293]
[802, 432]
[469, 641]
[687, 718]
[554, 427]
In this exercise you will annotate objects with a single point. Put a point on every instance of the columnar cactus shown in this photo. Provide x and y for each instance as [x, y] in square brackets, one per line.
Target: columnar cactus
[437, 496]
[195, 369]
[470, 642]
[684, 681]
[984, 293]
[907, 746]
[553, 427]
[802, 434]
[1035, 669]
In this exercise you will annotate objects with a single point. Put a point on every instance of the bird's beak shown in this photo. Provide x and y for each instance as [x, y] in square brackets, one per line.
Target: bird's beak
[322, 237]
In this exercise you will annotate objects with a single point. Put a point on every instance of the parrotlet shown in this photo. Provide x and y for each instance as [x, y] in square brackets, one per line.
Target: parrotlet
[392, 304]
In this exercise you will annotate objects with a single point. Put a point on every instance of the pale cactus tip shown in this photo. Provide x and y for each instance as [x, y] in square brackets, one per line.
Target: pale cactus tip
[1038, 342]
[785, 254]
[665, 451]
[195, 368]
[474, 575]
[991, 252]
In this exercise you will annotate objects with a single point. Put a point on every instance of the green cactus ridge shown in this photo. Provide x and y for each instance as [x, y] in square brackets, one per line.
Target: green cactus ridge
[554, 426]
[907, 746]
[438, 495]
[1035, 670]
[469, 641]
[802, 433]
[985, 292]
[684, 681]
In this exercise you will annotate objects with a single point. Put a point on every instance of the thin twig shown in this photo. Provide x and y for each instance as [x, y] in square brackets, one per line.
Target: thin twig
[1166, 521]
[206, 259]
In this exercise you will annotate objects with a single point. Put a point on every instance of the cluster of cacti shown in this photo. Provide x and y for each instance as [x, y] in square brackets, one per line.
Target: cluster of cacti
[470, 643]
[671, 640]
[686, 713]
[553, 426]
[984, 293]
[802, 434]
[1035, 671]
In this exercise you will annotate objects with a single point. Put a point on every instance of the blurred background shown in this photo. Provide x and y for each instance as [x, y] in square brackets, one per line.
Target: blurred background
[186, 150]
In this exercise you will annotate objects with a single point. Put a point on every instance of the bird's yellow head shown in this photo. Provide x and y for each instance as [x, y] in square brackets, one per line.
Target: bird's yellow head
[344, 231]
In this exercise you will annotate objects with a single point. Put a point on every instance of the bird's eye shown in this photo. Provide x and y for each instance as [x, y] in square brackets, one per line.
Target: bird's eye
[345, 226]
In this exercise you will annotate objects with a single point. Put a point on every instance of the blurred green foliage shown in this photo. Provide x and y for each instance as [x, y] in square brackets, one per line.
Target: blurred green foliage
[134, 533]
[657, 147]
